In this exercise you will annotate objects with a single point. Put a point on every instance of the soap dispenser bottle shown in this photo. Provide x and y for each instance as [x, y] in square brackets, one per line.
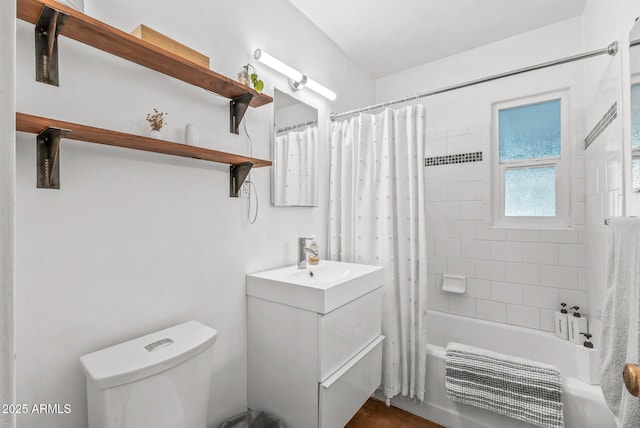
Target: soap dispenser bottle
[313, 259]
[562, 320]
[587, 361]
[577, 325]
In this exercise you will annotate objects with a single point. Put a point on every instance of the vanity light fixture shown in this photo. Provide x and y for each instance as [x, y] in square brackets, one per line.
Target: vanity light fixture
[297, 80]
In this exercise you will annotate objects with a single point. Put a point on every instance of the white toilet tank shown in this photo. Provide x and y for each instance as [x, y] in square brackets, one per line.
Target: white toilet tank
[160, 380]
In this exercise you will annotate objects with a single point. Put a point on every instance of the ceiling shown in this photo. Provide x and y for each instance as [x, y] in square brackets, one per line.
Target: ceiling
[389, 36]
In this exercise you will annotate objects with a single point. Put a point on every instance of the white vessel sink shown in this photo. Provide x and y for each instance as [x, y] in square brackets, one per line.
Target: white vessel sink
[321, 288]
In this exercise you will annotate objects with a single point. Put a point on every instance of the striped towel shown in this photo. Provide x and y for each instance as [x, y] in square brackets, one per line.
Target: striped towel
[522, 389]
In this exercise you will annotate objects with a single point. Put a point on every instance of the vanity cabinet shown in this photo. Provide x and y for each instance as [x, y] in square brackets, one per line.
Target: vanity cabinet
[309, 368]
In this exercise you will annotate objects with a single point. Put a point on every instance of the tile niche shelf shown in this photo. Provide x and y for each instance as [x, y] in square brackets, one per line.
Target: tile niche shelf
[50, 131]
[52, 19]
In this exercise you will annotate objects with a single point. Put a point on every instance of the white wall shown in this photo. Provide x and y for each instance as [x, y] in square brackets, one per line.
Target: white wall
[7, 207]
[135, 241]
[608, 185]
[513, 276]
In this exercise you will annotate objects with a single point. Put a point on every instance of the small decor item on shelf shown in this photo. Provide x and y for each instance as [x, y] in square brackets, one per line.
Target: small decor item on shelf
[73, 4]
[191, 134]
[156, 121]
[249, 77]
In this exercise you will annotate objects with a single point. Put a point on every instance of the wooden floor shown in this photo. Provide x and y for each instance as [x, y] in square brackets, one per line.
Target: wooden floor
[376, 414]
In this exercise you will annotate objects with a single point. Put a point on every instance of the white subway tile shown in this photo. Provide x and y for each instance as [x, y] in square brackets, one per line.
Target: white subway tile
[523, 273]
[471, 210]
[460, 143]
[434, 282]
[485, 232]
[448, 247]
[445, 210]
[437, 192]
[579, 189]
[578, 167]
[572, 255]
[574, 298]
[541, 297]
[582, 280]
[437, 265]
[462, 306]
[437, 229]
[475, 249]
[473, 171]
[486, 213]
[506, 251]
[462, 267]
[436, 146]
[525, 235]
[479, 288]
[559, 236]
[489, 269]
[540, 253]
[491, 311]
[524, 316]
[506, 292]
[437, 301]
[461, 191]
[485, 193]
[548, 320]
[431, 247]
[450, 174]
[464, 229]
[559, 276]
[579, 216]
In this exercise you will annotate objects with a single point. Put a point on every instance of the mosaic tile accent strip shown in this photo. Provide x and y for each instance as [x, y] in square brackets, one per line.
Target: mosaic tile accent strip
[451, 159]
[602, 124]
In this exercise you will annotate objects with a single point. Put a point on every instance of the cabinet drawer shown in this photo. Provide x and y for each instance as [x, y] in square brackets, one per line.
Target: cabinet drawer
[342, 394]
[347, 330]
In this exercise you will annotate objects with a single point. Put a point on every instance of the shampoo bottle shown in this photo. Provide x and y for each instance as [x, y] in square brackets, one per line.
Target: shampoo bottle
[314, 260]
[577, 325]
[562, 319]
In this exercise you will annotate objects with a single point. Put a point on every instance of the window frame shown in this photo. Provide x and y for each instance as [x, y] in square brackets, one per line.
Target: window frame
[635, 152]
[562, 165]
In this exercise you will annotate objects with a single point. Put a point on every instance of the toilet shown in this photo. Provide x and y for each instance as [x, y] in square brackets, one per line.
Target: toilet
[160, 380]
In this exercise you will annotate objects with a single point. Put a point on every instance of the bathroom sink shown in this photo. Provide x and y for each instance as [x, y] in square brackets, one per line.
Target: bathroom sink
[321, 288]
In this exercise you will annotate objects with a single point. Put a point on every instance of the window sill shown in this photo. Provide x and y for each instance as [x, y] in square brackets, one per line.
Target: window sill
[533, 227]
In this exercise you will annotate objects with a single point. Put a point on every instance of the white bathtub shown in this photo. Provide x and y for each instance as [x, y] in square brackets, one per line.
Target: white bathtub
[584, 405]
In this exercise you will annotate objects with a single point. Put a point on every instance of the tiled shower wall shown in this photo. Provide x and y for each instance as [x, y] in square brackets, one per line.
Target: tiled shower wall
[514, 276]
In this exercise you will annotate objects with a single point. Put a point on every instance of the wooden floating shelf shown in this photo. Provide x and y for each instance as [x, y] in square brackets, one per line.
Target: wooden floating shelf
[99, 35]
[36, 124]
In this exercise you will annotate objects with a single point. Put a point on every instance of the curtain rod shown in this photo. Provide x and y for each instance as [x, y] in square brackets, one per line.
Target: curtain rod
[612, 49]
[634, 43]
[299, 125]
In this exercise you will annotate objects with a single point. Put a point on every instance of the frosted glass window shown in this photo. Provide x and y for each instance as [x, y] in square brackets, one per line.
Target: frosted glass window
[530, 132]
[635, 172]
[530, 192]
[635, 116]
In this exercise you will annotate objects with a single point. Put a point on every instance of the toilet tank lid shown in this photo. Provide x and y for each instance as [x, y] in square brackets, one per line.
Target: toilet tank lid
[147, 355]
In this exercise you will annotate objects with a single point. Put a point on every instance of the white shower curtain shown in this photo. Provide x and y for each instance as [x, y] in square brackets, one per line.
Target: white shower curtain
[378, 216]
[296, 154]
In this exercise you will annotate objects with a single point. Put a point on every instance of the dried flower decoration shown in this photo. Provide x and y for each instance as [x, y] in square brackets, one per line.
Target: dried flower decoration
[156, 120]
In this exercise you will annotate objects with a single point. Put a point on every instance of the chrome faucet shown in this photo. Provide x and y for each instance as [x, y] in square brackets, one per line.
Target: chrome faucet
[302, 252]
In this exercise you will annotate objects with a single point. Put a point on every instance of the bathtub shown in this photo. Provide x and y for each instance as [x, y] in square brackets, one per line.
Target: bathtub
[584, 405]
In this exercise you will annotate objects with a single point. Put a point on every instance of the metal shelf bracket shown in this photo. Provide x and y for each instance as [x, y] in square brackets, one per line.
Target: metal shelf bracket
[237, 108]
[46, 32]
[238, 174]
[48, 152]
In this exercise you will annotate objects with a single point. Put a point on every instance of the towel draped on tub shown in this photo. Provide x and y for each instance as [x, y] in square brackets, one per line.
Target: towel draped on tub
[522, 389]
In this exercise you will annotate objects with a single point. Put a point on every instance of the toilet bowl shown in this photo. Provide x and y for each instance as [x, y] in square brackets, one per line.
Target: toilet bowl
[160, 380]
